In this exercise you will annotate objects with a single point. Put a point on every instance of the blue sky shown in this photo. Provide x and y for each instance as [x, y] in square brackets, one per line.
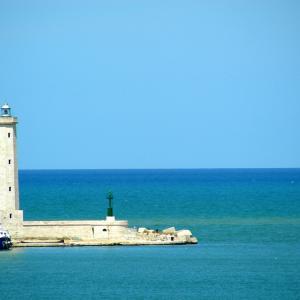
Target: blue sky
[153, 84]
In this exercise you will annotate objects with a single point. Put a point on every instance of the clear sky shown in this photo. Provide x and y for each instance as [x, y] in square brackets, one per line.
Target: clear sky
[153, 84]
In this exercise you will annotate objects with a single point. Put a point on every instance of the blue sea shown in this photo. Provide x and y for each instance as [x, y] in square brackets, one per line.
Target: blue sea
[247, 222]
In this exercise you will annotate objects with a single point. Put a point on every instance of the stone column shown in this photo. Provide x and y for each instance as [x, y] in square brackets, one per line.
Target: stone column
[10, 215]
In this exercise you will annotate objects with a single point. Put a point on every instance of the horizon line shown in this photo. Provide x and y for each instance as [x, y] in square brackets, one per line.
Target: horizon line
[133, 169]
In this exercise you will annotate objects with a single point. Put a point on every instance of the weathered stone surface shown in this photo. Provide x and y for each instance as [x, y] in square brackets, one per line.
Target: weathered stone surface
[170, 230]
[10, 215]
[126, 236]
[80, 230]
[103, 242]
[183, 233]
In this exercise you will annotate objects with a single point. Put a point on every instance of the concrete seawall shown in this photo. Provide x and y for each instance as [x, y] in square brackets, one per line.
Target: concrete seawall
[96, 233]
[74, 230]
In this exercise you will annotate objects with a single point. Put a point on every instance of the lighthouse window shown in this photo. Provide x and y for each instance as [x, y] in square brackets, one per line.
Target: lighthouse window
[9, 134]
[9, 188]
[9, 161]
[104, 229]
[10, 216]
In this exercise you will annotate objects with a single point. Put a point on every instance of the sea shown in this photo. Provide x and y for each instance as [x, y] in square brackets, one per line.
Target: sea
[247, 222]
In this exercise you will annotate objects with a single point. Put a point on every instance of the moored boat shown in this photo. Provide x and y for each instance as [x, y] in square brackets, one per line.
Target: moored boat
[5, 239]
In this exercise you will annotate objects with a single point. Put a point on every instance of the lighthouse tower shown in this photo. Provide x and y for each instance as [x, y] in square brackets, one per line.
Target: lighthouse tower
[10, 215]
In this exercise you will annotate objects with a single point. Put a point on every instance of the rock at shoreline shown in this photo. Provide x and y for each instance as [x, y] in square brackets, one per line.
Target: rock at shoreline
[184, 233]
[170, 230]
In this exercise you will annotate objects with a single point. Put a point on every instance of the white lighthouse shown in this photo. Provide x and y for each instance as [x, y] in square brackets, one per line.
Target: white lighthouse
[10, 215]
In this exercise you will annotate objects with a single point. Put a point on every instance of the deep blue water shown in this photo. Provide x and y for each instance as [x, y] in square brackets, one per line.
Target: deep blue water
[247, 222]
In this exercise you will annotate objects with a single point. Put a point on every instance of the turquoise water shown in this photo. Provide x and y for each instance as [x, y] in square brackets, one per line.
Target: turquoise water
[247, 221]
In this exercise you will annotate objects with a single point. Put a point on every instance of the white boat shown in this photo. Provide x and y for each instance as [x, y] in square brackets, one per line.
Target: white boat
[5, 239]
